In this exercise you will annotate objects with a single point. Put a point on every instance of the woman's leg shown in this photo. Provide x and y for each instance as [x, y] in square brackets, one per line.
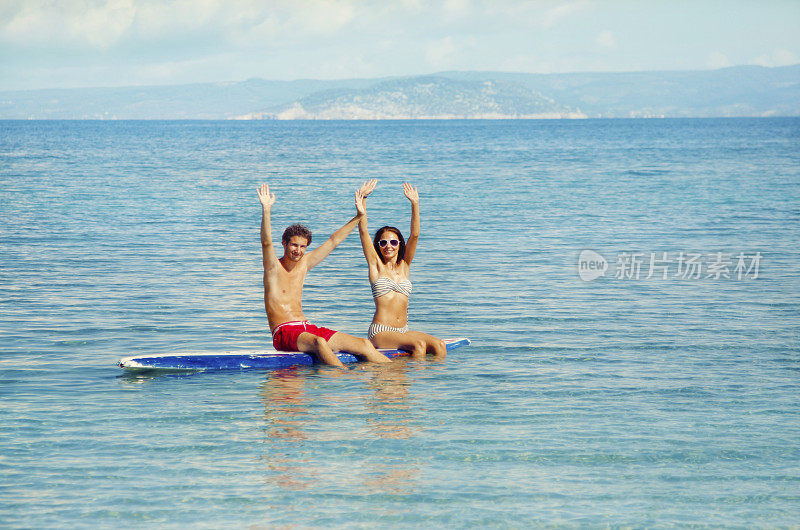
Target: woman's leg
[433, 345]
[413, 341]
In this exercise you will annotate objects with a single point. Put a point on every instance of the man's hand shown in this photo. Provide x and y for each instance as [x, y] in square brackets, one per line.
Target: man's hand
[267, 199]
[360, 208]
[411, 193]
[367, 187]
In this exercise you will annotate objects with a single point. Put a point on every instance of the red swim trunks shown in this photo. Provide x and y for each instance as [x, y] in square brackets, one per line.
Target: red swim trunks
[284, 337]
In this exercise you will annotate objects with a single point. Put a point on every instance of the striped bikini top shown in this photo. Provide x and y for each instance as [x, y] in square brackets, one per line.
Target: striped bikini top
[384, 285]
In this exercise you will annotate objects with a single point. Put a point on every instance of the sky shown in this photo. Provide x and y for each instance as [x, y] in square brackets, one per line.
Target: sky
[83, 43]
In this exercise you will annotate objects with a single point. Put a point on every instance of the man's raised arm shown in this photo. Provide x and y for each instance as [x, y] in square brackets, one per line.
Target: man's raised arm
[267, 248]
[361, 207]
[316, 256]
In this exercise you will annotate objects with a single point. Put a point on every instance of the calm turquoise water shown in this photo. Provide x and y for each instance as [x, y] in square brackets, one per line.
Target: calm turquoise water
[622, 401]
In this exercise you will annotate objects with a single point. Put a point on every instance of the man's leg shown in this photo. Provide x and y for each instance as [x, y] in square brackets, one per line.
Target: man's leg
[344, 342]
[309, 343]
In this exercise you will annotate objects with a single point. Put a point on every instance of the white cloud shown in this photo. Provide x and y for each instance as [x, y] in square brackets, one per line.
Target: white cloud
[340, 67]
[156, 19]
[439, 51]
[321, 16]
[606, 39]
[554, 15]
[456, 7]
[525, 63]
[103, 25]
[544, 14]
[99, 23]
[717, 60]
[780, 57]
[231, 39]
[29, 23]
[412, 5]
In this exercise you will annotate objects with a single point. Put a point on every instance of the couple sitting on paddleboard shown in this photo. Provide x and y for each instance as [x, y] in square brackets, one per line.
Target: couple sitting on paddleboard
[389, 260]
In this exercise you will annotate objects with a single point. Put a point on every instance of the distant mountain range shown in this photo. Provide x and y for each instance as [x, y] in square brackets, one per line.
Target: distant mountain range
[430, 97]
[742, 91]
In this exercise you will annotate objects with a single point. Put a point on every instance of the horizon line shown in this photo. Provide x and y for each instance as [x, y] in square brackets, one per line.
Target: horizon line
[390, 77]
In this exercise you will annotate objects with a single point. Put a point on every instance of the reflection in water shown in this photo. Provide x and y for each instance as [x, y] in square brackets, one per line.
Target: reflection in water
[284, 413]
[398, 479]
[310, 411]
[390, 403]
[282, 394]
[136, 378]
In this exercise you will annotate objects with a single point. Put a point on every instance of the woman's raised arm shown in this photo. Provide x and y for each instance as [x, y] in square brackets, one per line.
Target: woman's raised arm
[412, 195]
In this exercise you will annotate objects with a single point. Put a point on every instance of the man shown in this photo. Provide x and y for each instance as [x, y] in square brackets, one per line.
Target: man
[283, 291]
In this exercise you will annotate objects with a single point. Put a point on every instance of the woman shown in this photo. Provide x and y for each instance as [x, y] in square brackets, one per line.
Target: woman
[389, 259]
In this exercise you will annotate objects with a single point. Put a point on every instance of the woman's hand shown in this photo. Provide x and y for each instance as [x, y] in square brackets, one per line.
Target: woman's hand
[411, 193]
[267, 199]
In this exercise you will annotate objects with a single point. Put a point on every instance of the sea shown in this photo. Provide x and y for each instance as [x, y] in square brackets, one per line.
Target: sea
[631, 290]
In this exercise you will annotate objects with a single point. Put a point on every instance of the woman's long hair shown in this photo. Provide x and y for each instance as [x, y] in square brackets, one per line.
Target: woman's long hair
[401, 252]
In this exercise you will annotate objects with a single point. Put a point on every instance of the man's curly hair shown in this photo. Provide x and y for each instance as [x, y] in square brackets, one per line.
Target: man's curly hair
[296, 230]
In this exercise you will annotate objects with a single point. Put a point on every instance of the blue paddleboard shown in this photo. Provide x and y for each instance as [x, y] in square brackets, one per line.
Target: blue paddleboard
[265, 360]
